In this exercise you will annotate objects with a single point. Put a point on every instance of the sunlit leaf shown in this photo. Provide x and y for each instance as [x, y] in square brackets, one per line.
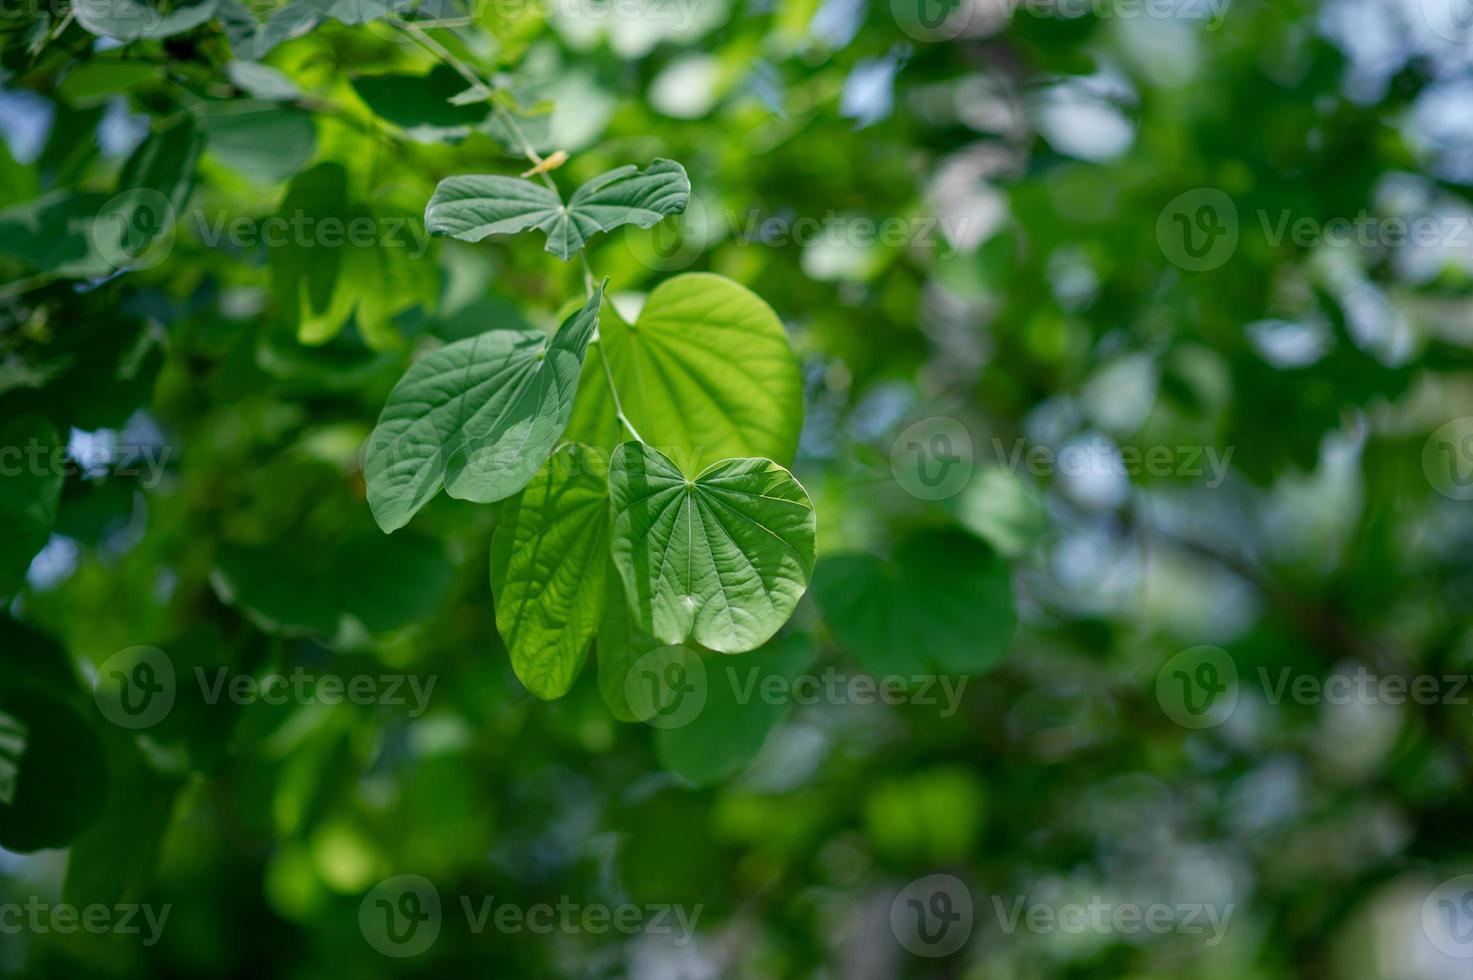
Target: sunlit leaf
[478, 417]
[547, 569]
[472, 207]
[721, 559]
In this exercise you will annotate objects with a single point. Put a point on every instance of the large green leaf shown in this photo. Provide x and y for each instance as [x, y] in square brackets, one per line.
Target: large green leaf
[705, 373]
[265, 142]
[53, 233]
[722, 559]
[58, 777]
[478, 417]
[129, 20]
[335, 259]
[420, 104]
[737, 716]
[153, 188]
[548, 560]
[30, 490]
[473, 207]
[944, 601]
[384, 583]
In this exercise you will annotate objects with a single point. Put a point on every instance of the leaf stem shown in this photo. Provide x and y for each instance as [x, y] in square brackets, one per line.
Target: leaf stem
[614, 392]
[587, 273]
[440, 51]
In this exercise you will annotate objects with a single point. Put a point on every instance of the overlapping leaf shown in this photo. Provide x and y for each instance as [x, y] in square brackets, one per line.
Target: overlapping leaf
[706, 370]
[547, 569]
[130, 20]
[478, 417]
[472, 207]
[737, 715]
[722, 559]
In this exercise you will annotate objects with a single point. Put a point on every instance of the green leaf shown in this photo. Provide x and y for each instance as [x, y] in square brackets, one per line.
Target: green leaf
[384, 583]
[91, 82]
[30, 491]
[421, 104]
[736, 719]
[706, 373]
[264, 143]
[323, 274]
[262, 81]
[53, 233]
[153, 188]
[12, 746]
[253, 39]
[129, 20]
[721, 560]
[58, 777]
[621, 643]
[548, 560]
[478, 417]
[473, 207]
[944, 601]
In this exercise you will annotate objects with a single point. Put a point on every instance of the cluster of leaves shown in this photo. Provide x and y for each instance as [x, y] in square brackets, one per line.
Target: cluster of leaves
[717, 553]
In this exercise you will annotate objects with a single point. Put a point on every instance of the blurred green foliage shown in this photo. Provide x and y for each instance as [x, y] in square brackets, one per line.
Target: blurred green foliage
[1176, 296]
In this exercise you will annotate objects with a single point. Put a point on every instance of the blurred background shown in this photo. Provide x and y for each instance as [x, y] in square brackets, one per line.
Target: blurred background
[1165, 304]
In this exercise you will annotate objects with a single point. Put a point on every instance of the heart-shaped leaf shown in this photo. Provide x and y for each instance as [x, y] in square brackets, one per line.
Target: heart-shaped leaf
[705, 372]
[722, 559]
[547, 569]
[944, 601]
[473, 207]
[478, 417]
